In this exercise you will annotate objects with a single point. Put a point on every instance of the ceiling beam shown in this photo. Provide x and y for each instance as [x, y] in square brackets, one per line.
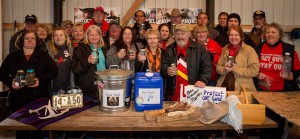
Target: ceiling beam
[130, 13]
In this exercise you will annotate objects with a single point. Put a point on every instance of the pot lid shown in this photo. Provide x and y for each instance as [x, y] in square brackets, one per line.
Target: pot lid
[114, 74]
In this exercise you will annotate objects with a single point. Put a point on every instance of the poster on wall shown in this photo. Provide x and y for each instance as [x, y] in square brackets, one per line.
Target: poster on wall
[189, 15]
[150, 14]
[84, 15]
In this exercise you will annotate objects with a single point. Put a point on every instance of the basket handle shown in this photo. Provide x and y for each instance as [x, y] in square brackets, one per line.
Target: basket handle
[245, 93]
[114, 66]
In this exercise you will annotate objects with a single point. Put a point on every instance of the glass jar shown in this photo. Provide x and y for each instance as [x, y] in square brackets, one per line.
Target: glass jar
[30, 75]
[95, 55]
[20, 78]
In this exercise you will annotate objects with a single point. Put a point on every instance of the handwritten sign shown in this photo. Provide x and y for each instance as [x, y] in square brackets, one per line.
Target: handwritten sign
[149, 95]
[197, 96]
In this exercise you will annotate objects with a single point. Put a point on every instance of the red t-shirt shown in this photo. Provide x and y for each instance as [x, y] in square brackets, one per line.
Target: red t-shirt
[270, 64]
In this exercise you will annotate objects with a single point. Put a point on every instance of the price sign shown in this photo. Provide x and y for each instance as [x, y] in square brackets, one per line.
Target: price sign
[67, 101]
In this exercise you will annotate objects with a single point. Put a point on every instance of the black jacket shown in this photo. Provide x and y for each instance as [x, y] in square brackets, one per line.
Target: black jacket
[138, 38]
[198, 65]
[223, 40]
[84, 72]
[45, 70]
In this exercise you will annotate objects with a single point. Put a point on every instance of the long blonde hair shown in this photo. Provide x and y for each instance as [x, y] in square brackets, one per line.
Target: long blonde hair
[67, 43]
[98, 30]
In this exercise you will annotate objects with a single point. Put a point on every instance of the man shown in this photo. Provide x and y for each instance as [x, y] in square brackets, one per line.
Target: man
[113, 33]
[29, 24]
[202, 19]
[176, 17]
[233, 20]
[259, 21]
[194, 64]
[68, 26]
[98, 20]
[139, 30]
[222, 27]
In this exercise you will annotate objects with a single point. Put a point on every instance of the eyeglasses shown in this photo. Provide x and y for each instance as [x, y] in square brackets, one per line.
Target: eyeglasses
[152, 38]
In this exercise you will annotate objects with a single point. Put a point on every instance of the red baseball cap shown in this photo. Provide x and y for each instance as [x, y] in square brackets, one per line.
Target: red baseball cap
[99, 8]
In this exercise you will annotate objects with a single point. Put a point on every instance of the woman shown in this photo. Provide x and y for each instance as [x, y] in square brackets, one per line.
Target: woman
[27, 58]
[200, 33]
[44, 35]
[271, 55]
[61, 51]
[78, 35]
[151, 58]
[245, 64]
[123, 51]
[165, 36]
[84, 64]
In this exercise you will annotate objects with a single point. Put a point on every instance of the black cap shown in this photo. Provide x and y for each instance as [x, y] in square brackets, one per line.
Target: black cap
[234, 15]
[259, 13]
[30, 18]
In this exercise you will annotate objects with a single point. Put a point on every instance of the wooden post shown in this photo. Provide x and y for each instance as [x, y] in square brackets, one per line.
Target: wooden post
[136, 4]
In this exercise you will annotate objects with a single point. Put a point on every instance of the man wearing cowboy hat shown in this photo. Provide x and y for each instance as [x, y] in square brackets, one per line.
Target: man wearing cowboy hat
[191, 59]
[176, 17]
[259, 21]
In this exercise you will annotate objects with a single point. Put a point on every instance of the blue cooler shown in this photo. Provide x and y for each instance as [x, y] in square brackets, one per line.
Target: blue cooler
[148, 91]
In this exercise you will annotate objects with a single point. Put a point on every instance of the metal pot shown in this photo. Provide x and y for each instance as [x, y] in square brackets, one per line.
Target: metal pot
[114, 87]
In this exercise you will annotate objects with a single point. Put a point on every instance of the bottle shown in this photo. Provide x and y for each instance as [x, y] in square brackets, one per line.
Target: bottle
[95, 55]
[230, 61]
[20, 78]
[286, 65]
[142, 27]
[173, 65]
[173, 28]
[30, 75]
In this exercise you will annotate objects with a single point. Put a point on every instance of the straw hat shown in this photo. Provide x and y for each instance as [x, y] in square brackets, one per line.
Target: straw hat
[213, 112]
[176, 12]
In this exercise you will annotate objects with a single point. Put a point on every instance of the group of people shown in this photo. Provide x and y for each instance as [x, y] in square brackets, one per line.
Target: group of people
[63, 57]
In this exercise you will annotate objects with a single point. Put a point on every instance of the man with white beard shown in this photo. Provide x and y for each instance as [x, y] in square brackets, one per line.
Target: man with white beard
[259, 21]
[185, 62]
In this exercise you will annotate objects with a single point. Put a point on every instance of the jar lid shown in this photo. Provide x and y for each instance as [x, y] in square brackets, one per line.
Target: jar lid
[114, 74]
[30, 70]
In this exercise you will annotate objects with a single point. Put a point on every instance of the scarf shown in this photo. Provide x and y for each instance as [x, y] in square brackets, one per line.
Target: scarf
[234, 117]
[154, 60]
[233, 50]
[101, 64]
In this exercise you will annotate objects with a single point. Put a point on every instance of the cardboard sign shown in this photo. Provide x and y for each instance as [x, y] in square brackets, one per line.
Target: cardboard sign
[197, 96]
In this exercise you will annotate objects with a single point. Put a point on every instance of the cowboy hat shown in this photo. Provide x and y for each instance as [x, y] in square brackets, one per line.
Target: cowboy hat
[176, 12]
[212, 112]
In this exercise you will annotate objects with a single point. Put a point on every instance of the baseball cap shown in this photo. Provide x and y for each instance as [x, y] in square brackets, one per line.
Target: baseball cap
[30, 18]
[115, 22]
[182, 27]
[99, 8]
[259, 13]
[66, 22]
